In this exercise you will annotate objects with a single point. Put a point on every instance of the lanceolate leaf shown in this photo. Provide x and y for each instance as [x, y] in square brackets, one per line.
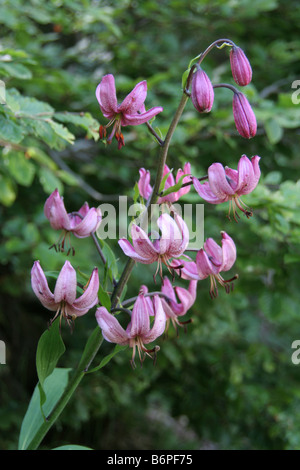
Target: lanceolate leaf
[50, 349]
[54, 387]
[175, 188]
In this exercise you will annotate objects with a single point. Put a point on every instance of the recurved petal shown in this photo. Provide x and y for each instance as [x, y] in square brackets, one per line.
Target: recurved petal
[142, 244]
[65, 287]
[137, 119]
[106, 96]
[228, 251]
[186, 171]
[145, 189]
[55, 211]
[128, 250]
[186, 269]
[89, 224]
[40, 287]
[204, 191]
[204, 266]
[214, 251]
[168, 289]
[159, 324]
[89, 298]
[249, 174]
[175, 235]
[112, 331]
[134, 100]
[187, 297]
[218, 182]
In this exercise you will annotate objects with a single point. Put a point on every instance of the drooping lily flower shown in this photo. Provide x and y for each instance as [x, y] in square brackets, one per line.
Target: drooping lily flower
[240, 66]
[63, 300]
[139, 331]
[82, 225]
[174, 309]
[172, 243]
[211, 260]
[145, 188]
[244, 116]
[131, 112]
[226, 184]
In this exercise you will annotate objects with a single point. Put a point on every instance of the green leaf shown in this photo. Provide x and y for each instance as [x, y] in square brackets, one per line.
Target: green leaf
[108, 358]
[41, 157]
[62, 131]
[111, 260]
[84, 120]
[54, 387]
[136, 193]
[72, 447]
[49, 181]
[20, 167]
[104, 298]
[50, 349]
[274, 131]
[175, 187]
[94, 342]
[8, 191]
[194, 61]
[163, 182]
[9, 131]
[15, 70]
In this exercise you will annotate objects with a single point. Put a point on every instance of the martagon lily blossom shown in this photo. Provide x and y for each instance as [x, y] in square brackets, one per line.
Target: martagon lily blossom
[172, 243]
[176, 301]
[82, 225]
[139, 331]
[211, 260]
[63, 300]
[226, 184]
[131, 112]
[174, 309]
[145, 189]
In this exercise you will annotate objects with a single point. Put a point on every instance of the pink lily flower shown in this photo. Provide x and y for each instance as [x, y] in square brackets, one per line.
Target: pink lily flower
[145, 188]
[172, 243]
[63, 300]
[138, 332]
[82, 225]
[226, 184]
[131, 112]
[211, 260]
[174, 309]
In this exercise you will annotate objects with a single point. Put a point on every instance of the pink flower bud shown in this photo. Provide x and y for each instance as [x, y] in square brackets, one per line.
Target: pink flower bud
[244, 116]
[202, 92]
[240, 66]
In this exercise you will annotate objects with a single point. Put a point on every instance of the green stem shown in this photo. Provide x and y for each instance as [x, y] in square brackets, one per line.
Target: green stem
[153, 199]
[89, 353]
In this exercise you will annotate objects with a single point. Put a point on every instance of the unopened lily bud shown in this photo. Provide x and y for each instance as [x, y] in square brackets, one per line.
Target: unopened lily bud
[244, 116]
[240, 66]
[202, 92]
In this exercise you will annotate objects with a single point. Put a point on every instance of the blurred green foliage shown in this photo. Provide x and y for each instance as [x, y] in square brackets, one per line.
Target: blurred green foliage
[229, 382]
